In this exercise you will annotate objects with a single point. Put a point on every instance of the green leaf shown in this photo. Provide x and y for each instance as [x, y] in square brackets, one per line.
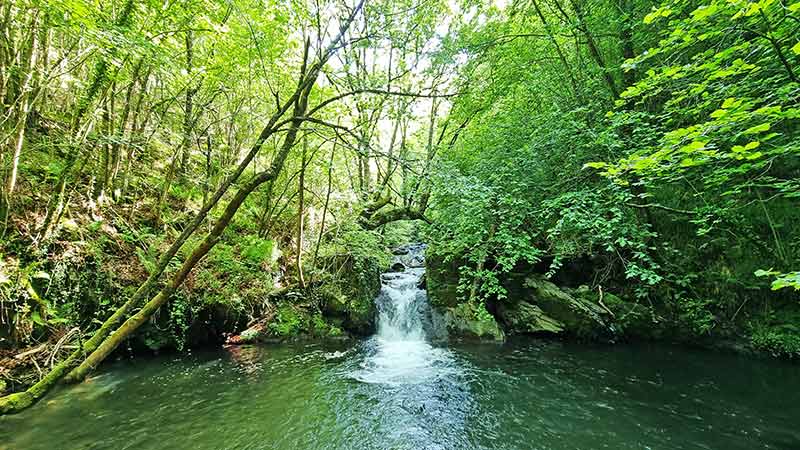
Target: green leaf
[755, 155]
[37, 318]
[693, 147]
[660, 12]
[595, 165]
[703, 12]
[765, 273]
[41, 275]
[796, 49]
[758, 128]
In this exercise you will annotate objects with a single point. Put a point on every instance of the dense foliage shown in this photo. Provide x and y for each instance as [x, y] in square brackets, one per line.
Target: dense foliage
[649, 149]
[180, 172]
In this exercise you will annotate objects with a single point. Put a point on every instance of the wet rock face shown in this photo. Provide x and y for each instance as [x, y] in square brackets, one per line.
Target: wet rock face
[534, 305]
[397, 267]
[630, 319]
[400, 251]
[462, 323]
[349, 301]
[441, 281]
[411, 256]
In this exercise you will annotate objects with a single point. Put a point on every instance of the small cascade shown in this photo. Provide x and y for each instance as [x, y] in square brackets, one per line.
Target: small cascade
[400, 352]
[402, 305]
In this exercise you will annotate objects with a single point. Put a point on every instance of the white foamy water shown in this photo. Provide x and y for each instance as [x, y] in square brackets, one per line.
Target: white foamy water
[400, 353]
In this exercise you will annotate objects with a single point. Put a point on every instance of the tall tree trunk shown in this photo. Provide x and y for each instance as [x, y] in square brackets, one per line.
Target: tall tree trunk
[134, 135]
[24, 102]
[551, 36]
[98, 83]
[591, 44]
[102, 173]
[325, 207]
[122, 134]
[391, 164]
[301, 214]
[476, 281]
[266, 216]
[187, 108]
[626, 41]
[162, 198]
[6, 51]
[18, 401]
[430, 152]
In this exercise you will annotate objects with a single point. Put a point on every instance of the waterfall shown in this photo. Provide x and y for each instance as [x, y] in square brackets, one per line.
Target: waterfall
[400, 353]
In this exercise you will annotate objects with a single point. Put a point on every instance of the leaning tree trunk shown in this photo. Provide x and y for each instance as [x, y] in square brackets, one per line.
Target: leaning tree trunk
[211, 239]
[100, 345]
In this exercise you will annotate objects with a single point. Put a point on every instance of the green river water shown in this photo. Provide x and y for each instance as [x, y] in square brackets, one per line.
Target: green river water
[525, 394]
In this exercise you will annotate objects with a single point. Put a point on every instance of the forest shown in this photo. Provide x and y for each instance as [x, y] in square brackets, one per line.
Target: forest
[183, 174]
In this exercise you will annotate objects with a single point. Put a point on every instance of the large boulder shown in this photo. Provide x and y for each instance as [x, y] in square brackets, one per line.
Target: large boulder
[629, 319]
[462, 322]
[579, 316]
[521, 317]
[441, 280]
[349, 299]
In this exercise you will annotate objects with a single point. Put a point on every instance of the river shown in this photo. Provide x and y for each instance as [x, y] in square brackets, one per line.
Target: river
[402, 390]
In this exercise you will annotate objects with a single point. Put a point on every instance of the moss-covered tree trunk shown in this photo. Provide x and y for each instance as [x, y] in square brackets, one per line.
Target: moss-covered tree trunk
[103, 342]
[211, 239]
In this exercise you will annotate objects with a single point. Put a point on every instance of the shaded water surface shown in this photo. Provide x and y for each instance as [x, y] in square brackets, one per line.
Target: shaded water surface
[398, 391]
[524, 395]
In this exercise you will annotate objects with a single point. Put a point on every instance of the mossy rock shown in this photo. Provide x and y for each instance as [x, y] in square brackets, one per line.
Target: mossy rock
[629, 319]
[333, 301]
[351, 298]
[520, 317]
[778, 340]
[462, 322]
[289, 321]
[441, 281]
[579, 316]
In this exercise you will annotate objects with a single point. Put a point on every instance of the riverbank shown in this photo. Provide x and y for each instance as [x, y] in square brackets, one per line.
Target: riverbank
[528, 302]
[57, 292]
[230, 301]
